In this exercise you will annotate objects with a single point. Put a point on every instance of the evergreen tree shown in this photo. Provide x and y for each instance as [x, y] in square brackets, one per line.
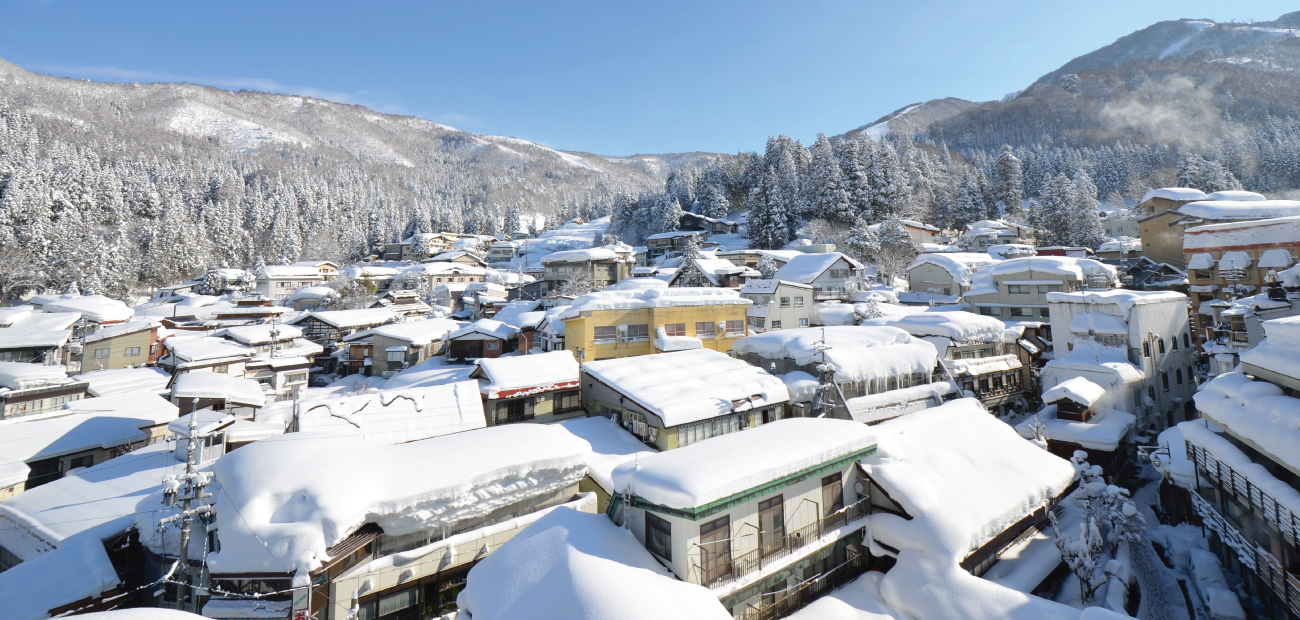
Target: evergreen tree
[711, 195]
[862, 244]
[824, 194]
[1055, 210]
[667, 215]
[688, 272]
[766, 225]
[897, 250]
[767, 267]
[213, 282]
[512, 218]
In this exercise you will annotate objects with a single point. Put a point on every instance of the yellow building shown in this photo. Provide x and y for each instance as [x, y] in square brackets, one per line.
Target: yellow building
[627, 321]
[125, 345]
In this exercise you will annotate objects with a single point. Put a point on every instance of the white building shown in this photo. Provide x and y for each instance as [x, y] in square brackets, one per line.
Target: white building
[832, 274]
[1135, 344]
[778, 304]
[942, 277]
[278, 282]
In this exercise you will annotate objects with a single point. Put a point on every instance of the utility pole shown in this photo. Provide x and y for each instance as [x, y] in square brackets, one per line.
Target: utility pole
[825, 378]
[187, 489]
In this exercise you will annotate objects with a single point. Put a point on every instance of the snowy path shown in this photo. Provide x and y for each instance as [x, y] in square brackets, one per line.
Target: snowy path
[1162, 597]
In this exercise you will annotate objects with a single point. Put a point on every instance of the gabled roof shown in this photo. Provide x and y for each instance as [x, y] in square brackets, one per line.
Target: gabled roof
[505, 377]
[485, 327]
[807, 267]
[347, 319]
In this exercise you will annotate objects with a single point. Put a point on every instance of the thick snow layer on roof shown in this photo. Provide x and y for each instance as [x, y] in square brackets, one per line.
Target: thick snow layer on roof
[288, 271]
[312, 293]
[959, 265]
[219, 386]
[570, 565]
[1175, 193]
[12, 471]
[1074, 268]
[667, 344]
[1278, 351]
[959, 459]
[801, 385]
[205, 348]
[67, 432]
[1201, 260]
[104, 497]
[433, 371]
[873, 408]
[1121, 244]
[628, 299]
[1235, 194]
[387, 416]
[419, 332]
[23, 376]
[805, 268]
[22, 337]
[15, 313]
[1098, 322]
[543, 372]
[511, 312]
[799, 344]
[1078, 389]
[1241, 209]
[1282, 231]
[485, 327]
[261, 334]
[1124, 298]
[579, 256]
[1093, 354]
[348, 319]
[305, 492]
[96, 308]
[1176, 464]
[1276, 259]
[611, 446]
[703, 472]
[1256, 411]
[245, 609]
[857, 600]
[956, 325]
[423, 270]
[373, 272]
[688, 386]
[1234, 260]
[72, 573]
[142, 405]
[983, 365]
[1103, 431]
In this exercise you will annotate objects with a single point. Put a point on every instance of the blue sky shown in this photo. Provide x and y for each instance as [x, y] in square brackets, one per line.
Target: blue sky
[616, 77]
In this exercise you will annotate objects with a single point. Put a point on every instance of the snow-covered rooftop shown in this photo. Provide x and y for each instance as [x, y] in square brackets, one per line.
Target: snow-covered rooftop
[70, 574]
[485, 327]
[1278, 351]
[1123, 298]
[959, 265]
[528, 374]
[570, 565]
[611, 446]
[857, 353]
[23, 376]
[1240, 209]
[309, 491]
[95, 308]
[288, 271]
[956, 325]
[956, 455]
[1103, 431]
[348, 319]
[1256, 411]
[1075, 268]
[419, 332]
[707, 471]
[387, 416]
[220, 386]
[1175, 194]
[432, 371]
[688, 386]
[580, 256]
[1281, 231]
[1078, 389]
[261, 334]
[651, 297]
[805, 268]
[205, 348]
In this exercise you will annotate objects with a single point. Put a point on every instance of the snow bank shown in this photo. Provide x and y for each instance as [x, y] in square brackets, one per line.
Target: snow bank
[703, 472]
[220, 386]
[574, 566]
[959, 265]
[528, 374]
[958, 460]
[1174, 193]
[1256, 411]
[125, 380]
[23, 376]
[387, 416]
[611, 446]
[305, 492]
[77, 571]
[1078, 389]
[857, 600]
[1103, 431]
[689, 386]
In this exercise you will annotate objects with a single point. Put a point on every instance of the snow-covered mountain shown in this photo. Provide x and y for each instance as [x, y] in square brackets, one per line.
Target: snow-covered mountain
[911, 118]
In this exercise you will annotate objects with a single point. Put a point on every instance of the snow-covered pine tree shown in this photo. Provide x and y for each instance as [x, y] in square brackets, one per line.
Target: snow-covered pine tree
[862, 244]
[897, 250]
[680, 185]
[823, 190]
[1085, 220]
[511, 223]
[766, 225]
[888, 184]
[667, 214]
[767, 267]
[688, 271]
[711, 195]
[1009, 188]
[213, 282]
[849, 155]
[1056, 206]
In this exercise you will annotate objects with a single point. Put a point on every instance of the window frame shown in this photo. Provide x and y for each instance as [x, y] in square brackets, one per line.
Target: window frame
[674, 329]
[706, 329]
[654, 524]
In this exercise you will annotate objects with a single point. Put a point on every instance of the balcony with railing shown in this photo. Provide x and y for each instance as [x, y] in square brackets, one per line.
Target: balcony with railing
[713, 565]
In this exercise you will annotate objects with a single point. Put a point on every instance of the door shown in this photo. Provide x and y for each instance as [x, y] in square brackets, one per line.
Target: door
[715, 549]
[771, 526]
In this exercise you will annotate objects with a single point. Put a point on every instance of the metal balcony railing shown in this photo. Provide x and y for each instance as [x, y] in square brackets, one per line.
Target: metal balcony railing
[711, 566]
[1287, 522]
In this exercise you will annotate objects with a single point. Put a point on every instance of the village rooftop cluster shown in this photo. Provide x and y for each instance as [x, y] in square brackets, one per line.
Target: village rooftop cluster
[560, 425]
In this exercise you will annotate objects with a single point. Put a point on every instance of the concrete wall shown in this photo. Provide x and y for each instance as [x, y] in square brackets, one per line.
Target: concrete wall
[579, 332]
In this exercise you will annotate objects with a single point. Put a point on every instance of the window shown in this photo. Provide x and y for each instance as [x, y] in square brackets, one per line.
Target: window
[223, 368]
[715, 549]
[492, 345]
[987, 311]
[758, 321]
[832, 494]
[567, 400]
[132, 351]
[638, 332]
[606, 333]
[1049, 288]
[1022, 312]
[296, 377]
[1018, 289]
[706, 329]
[1164, 381]
[785, 302]
[798, 301]
[803, 322]
[81, 461]
[675, 329]
[771, 526]
[658, 536]
[396, 356]
[101, 353]
[735, 328]
[775, 325]
[1187, 342]
[1146, 349]
[1178, 376]
[1201, 274]
[1160, 345]
[397, 602]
